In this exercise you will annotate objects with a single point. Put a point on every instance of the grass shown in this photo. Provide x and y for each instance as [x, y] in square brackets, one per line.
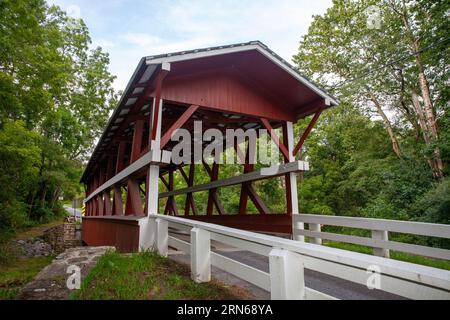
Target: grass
[148, 276]
[16, 275]
[15, 272]
[36, 231]
[436, 263]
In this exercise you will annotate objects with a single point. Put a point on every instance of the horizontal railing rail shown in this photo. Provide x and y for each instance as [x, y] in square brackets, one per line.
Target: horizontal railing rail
[380, 229]
[287, 261]
[273, 171]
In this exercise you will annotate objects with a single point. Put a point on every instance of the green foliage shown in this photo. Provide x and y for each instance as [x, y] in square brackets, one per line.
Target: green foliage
[353, 169]
[55, 97]
[16, 275]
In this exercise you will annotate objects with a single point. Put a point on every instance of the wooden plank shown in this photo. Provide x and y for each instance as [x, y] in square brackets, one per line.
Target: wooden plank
[179, 244]
[419, 228]
[243, 271]
[242, 244]
[251, 176]
[376, 243]
[418, 274]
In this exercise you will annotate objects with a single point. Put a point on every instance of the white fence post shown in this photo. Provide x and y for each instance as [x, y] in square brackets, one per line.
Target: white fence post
[287, 281]
[200, 255]
[316, 228]
[162, 236]
[146, 233]
[380, 235]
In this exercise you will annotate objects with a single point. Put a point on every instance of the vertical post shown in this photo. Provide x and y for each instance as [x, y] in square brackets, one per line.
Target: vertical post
[107, 202]
[287, 281]
[117, 209]
[162, 236]
[380, 235]
[291, 180]
[147, 233]
[200, 255]
[316, 228]
[153, 171]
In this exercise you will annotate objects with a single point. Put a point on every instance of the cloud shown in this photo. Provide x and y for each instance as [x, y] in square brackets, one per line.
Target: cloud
[129, 30]
[141, 39]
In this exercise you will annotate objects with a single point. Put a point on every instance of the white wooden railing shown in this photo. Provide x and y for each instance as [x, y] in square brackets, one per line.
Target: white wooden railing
[287, 261]
[380, 229]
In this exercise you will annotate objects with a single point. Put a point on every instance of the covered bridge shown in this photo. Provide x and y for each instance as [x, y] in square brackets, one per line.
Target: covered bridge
[244, 86]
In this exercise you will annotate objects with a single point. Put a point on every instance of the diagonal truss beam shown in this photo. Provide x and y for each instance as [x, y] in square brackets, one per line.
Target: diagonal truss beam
[275, 138]
[178, 124]
[307, 131]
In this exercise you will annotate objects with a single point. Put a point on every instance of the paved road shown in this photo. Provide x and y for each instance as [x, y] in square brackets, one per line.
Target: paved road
[73, 212]
[336, 287]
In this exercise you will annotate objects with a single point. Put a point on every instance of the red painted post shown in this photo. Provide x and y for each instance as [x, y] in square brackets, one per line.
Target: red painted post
[134, 202]
[107, 203]
[117, 208]
[120, 156]
[137, 140]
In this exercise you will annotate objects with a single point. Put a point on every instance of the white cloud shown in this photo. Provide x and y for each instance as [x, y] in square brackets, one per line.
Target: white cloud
[141, 39]
[129, 32]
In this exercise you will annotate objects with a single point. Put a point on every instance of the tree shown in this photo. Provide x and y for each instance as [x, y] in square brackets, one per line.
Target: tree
[384, 68]
[54, 88]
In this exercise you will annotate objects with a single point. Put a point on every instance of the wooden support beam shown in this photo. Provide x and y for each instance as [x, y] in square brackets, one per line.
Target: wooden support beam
[190, 202]
[99, 200]
[212, 197]
[134, 202]
[117, 201]
[178, 124]
[164, 181]
[120, 157]
[275, 138]
[171, 206]
[137, 140]
[107, 203]
[308, 130]
[259, 204]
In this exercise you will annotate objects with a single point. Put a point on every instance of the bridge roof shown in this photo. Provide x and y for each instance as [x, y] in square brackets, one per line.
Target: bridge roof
[290, 95]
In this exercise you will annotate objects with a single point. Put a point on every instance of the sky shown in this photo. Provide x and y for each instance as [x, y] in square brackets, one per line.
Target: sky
[131, 29]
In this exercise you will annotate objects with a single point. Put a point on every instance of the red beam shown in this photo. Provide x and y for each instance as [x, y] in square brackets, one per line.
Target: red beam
[137, 140]
[117, 209]
[178, 124]
[275, 138]
[154, 124]
[134, 202]
[120, 156]
[307, 131]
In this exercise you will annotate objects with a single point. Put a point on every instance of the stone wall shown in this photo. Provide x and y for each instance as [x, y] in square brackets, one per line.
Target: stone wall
[64, 236]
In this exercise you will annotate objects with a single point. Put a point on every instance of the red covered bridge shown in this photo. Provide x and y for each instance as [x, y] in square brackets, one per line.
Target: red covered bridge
[243, 86]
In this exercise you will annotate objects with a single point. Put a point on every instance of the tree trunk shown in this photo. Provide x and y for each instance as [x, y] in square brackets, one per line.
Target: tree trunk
[428, 108]
[435, 163]
[387, 124]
